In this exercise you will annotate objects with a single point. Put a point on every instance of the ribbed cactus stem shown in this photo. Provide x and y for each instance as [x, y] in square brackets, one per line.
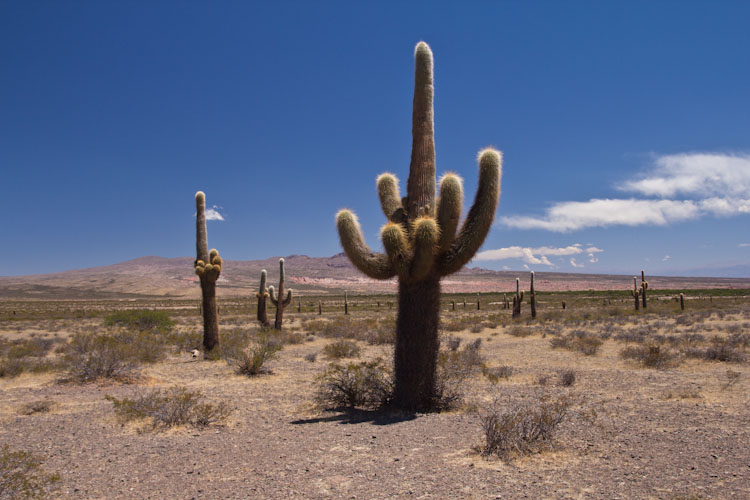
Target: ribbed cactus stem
[208, 268]
[262, 296]
[682, 302]
[280, 301]
[422, 241]
[636, 292]
[532, 296]
[644, 286]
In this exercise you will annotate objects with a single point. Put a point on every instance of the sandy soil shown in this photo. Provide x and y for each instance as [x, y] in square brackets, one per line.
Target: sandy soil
[661, 434]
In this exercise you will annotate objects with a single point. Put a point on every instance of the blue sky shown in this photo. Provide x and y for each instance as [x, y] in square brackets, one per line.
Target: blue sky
[624, 127]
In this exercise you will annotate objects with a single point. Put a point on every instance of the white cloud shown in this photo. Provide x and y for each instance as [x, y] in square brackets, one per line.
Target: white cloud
[538, 255]
[213, 213]
[702, 174]
[574, 263]
[666, 258]
[745, 244]
[526, 266]
[712, 184]
[593, 258]
[574, 215]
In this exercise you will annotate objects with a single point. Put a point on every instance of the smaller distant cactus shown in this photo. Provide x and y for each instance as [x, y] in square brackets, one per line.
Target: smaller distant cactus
[346, 303]
[262, 295]
[644, 287]
[478, 306]
[299, 306]
[453, 305]
[635, 292]
[517, 299]
[320, 308]
[280, 302]
[564, 304]
[682, 302]
[532, 296]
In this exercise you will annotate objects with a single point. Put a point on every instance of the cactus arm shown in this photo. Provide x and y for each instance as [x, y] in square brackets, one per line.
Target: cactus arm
[477, 224]
[374, 265]
[201, 238]
[272, 296]
[420, 187]
[449, 209]
[397, 247]
[390, 199]
[288, 299]
[426, 235]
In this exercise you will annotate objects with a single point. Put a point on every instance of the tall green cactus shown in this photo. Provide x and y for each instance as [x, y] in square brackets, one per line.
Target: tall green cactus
[346, 303]
[208, 268]
[635, 292]
[280, 302]
[517, 300]
[532, 296]
[422, 242]
[682, 302]
[644, 286]
[262, 296]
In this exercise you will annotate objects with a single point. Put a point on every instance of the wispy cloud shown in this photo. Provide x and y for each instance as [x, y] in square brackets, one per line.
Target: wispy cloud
[744, 244]
[213, 213]
[537, 255]
[574, 263]
[711, 184]
[666, 258]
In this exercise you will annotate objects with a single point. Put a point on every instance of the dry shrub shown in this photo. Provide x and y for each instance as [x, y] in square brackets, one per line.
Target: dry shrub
[168, 408]
[92, 357]
[567, 378]
[341, 349]
[453, 370]
[370, 330]
[368, 384]
[500, 372]
[578, 341]
[522, 428]
[39, 406]
[21, 476]
[251, 360]
[312, 357]
[519, 331]
[651, 356]
[142, 320]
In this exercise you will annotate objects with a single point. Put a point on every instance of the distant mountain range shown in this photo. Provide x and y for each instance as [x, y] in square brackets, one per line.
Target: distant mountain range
[173, 277]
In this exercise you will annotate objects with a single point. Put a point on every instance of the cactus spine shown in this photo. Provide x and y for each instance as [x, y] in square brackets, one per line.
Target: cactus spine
[635, 292]
[517, 299]
[644, 286]
[208, 268]
[532, 296]
[262, 295]
[682, 302]
[280, 302]
[422, 242]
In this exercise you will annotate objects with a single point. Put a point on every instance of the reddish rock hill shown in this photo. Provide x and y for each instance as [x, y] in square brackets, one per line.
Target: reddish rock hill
[173, 277]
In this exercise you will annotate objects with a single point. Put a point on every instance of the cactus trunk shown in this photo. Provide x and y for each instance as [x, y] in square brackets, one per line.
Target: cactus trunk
[417, 344]
[682, 302]
[208, 267]
[532, 294]
[279, 301]
[262, 296]
[644, 286]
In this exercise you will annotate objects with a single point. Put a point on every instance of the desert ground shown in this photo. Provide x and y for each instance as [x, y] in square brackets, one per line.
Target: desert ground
[653, 404]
